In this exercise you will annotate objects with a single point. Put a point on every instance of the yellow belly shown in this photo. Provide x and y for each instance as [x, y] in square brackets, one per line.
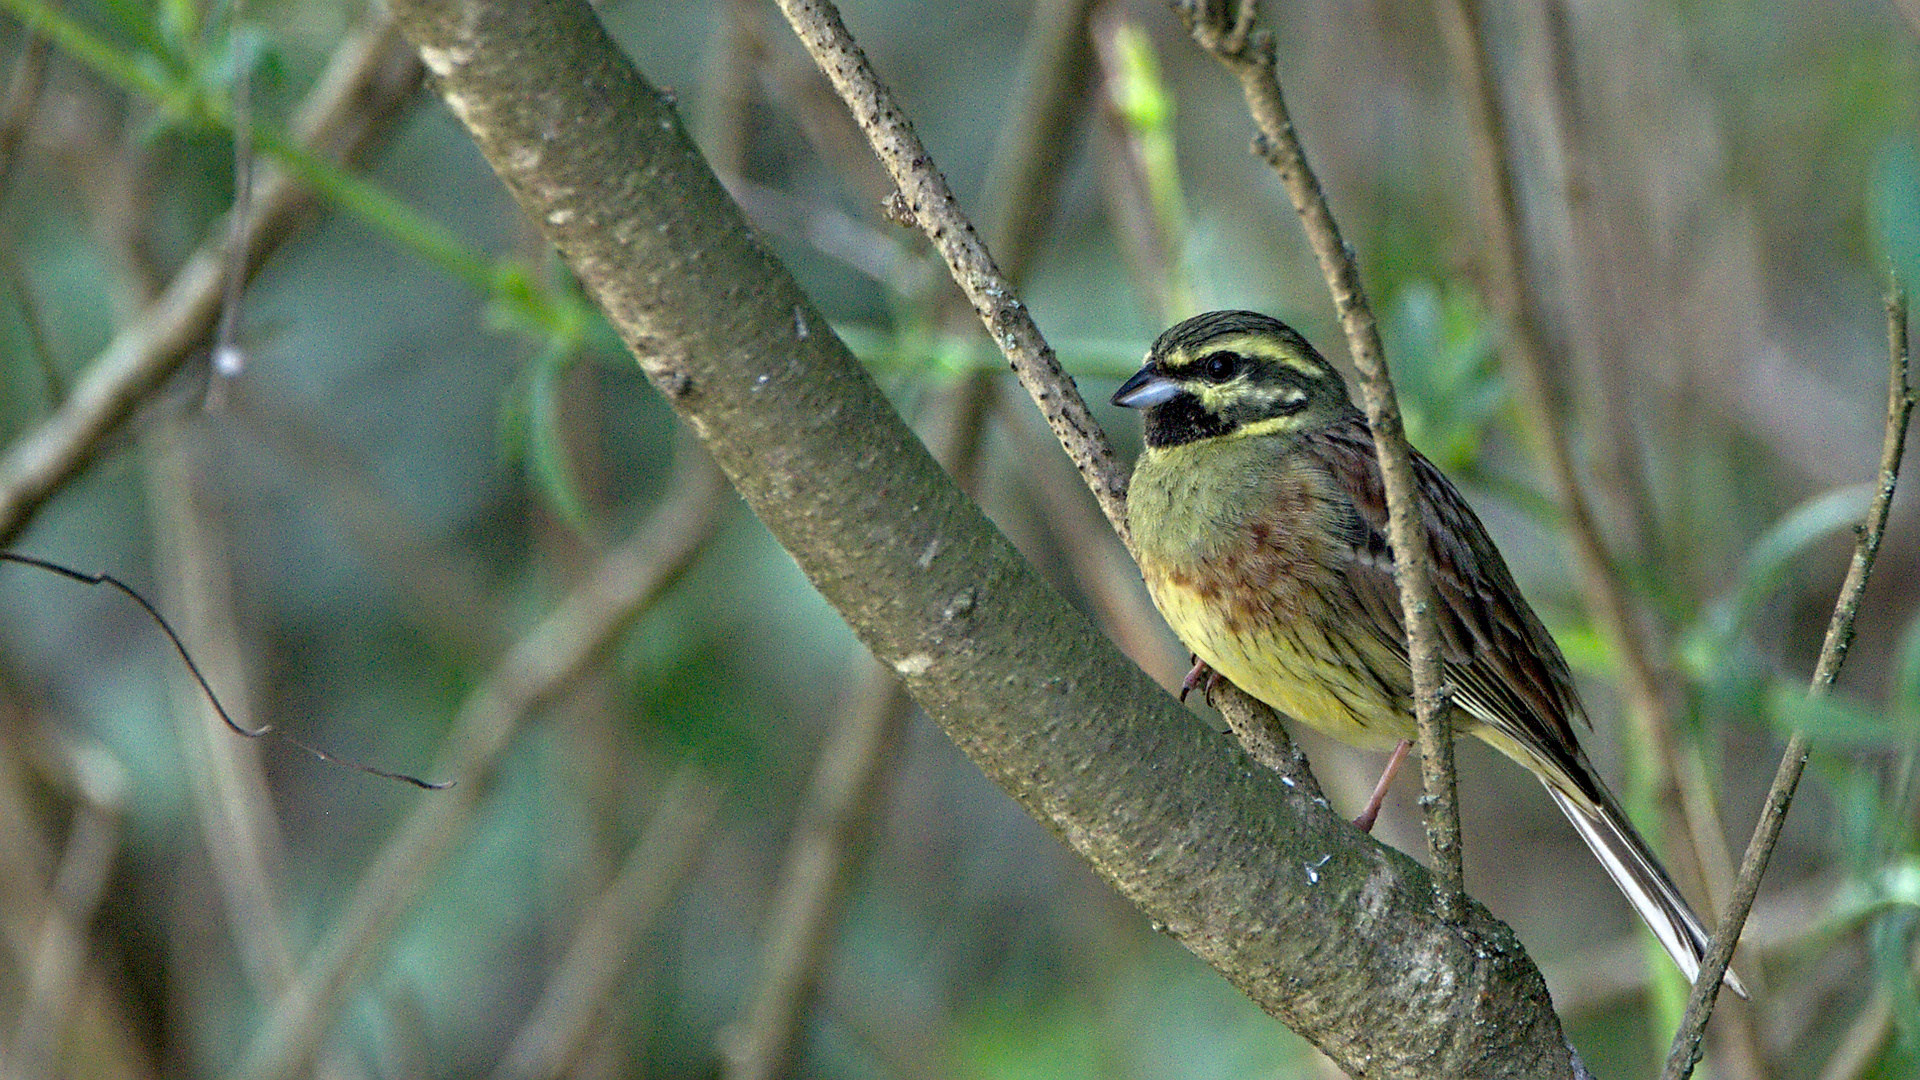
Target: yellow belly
[1237, 545]
[1331, 682]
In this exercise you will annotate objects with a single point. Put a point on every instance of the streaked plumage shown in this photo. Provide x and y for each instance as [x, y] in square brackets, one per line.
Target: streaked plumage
[1260, 521]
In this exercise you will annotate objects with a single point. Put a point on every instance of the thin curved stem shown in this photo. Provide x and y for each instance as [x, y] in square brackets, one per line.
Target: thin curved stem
[1248, 53]
[1524, 352]
[1686, 1050]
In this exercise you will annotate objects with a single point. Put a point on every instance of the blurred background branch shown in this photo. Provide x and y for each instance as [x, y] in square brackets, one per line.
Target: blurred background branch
[352, 106]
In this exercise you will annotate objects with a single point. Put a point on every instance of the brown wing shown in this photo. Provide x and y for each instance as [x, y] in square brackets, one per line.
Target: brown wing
[1501, 662]
[1503, 665]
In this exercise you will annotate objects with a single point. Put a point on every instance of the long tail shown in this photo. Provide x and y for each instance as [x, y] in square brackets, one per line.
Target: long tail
[1639, 875]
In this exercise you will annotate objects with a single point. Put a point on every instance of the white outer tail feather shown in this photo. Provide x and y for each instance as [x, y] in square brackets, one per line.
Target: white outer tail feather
[1645, 886]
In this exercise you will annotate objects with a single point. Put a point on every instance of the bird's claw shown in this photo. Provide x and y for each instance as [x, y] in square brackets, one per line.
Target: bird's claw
[1200, 673]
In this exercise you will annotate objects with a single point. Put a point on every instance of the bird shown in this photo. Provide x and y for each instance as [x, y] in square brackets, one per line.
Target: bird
[1260, 525]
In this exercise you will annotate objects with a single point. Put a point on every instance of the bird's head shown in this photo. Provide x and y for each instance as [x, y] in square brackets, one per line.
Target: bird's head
[1230, 374]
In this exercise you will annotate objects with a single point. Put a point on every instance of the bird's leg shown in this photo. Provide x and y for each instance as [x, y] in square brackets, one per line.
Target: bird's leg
[1201, 672]
[1365, 821]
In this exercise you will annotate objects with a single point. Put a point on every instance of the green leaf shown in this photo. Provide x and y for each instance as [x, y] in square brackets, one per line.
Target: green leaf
[1773, 554]
[1893, 204]
[1895, 884]
[1890, 945]
[546, 443]
[1587, 650]
[1707, 644]
[179, 26]
[1445, 364]
[1837, 723]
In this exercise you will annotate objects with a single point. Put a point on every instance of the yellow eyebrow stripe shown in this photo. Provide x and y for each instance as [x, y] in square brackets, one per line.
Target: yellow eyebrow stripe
[1251, 345]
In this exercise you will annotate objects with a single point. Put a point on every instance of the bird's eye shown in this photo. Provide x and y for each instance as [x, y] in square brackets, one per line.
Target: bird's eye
[1219, 367]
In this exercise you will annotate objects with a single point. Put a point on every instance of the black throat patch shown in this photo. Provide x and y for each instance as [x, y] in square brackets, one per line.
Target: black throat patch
[1183, 420]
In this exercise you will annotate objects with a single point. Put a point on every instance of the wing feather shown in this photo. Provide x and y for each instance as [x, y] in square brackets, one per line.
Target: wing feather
[1503, 666]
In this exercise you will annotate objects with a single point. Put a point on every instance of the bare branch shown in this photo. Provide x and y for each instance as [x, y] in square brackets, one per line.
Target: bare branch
[59, 957]
[1248, 53]
[22, 97]
[237, 824]
[814, 876]
[540, 666]
[1685, 1053]
[551, 1041]
[926, 198]
[1023, 180]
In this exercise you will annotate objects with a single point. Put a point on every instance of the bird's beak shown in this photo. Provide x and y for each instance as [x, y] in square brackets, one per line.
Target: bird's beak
[1145, 390]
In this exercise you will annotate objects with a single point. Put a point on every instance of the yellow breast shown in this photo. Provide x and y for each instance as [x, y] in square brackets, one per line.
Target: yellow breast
[1237, 550]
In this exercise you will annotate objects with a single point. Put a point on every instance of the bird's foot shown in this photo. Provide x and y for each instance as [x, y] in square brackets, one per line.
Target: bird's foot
[1200, 673]
[1372, 810]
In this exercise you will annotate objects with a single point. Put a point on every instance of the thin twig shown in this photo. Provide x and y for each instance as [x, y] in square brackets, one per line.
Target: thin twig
[199, 677]
[925, 197]
[356, 101]
[22, 98]
[540, 666]
[17, 110]
[39, 342]
[816, 872]
[1022, 184]
[1686, 1050]
[228, 360]
[1525, 352]
[726, 85]
[99, 1018]
[1248, 53]
[1599, 330]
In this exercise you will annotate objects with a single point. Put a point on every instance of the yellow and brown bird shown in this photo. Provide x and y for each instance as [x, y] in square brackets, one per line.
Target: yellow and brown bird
[1260, 522]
